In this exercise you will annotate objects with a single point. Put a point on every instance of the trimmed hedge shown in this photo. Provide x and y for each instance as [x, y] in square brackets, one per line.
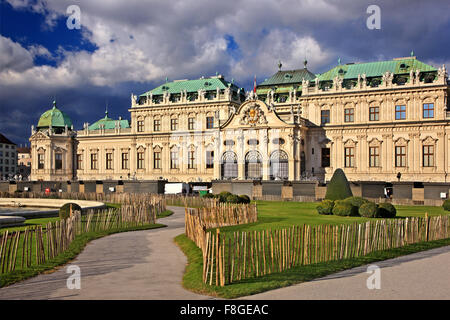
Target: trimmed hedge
[369, 210]
[325, 207]
[64, 211]
[224, 195]
[387, 210]
[345, 209]
[232, 198]
[446, 205]
[338, 188]
[244, 198]
[357, 201]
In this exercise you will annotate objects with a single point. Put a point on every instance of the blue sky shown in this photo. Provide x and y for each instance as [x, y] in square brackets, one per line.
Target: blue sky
[131, 46]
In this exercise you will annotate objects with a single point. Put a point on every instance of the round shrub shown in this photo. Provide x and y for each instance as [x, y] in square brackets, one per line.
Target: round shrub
[344, 208]
[369, 210]
[338, 188]
[64, 211]
[232, 198]
[208, 196]
[446, 205]
[325, 207]
[224, 195]
[357, 201]
[387, 210]
[244, 198]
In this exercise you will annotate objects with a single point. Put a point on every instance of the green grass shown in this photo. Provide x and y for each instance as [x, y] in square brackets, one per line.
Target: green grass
[30, 223]
[281, 214]
[74, 249]
[164, 214]
[192, 279]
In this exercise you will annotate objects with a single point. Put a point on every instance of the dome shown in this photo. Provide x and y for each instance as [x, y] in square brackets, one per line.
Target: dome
[55, 118]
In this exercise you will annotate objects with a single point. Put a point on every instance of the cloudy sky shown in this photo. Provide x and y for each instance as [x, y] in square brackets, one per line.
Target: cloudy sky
[126, 46]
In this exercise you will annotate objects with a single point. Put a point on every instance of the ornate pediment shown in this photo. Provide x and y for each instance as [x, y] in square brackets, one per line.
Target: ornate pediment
[39, 135]
[253, 115]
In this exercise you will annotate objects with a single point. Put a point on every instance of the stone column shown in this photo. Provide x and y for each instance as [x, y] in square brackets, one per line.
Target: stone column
[240, 156]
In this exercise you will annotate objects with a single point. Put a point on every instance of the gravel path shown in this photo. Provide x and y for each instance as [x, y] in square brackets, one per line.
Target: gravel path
[130, 265]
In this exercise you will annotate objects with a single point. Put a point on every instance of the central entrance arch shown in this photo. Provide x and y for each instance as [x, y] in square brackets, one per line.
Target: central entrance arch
[279, 165]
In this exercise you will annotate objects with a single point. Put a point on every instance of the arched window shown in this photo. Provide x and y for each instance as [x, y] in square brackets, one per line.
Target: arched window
[229, 165]
[279, 166]
[253, 165]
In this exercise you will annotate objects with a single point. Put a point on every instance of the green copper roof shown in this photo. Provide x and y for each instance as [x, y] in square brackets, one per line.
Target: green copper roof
[108, 123]
[376, 69]
[208, 84]
[289, 77]
[55, 118]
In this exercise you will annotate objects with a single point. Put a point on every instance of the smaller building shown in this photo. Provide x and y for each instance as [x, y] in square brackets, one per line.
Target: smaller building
[24, 162]
[8, 158]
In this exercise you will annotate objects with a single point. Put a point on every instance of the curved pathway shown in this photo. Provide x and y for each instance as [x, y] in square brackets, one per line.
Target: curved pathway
[131, 265]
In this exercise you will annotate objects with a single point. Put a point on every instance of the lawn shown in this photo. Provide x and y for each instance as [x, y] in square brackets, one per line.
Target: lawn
[277, 215]
[282, 214]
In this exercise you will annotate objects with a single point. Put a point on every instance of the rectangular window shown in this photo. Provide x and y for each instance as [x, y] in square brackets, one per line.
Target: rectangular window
[94, 165]
[79, 161]
[109, 161]
[58, 161]
[209, 122]
[428, 156]
[174, 124]
[374, 113]
[157, 160]
[349, 157]
[140, 160]
[191, 160]
[41, 158]
[191, 123]
[174, 160]
[209, 159]
[157, 125]
[428, 110]
[400, 156]
[140, 126]
[324, 117]
[125, 161]
[400, 112]
[325, 157]
[374, 156]
[349, 115]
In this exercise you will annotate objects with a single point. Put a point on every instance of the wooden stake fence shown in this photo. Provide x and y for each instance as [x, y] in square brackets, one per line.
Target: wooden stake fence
[234, 256]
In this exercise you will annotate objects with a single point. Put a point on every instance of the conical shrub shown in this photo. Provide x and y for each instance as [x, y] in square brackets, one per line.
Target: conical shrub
[338, 188]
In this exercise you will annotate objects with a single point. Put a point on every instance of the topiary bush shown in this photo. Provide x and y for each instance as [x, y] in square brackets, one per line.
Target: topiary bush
[208, 196]
[338, 188]
[244, 198]
[64, 211]
[446, 205]
[224, 195]
[356, 201]
[345, 209]
[232, 198]
[387, 210]
[325, 207]
[369, 210]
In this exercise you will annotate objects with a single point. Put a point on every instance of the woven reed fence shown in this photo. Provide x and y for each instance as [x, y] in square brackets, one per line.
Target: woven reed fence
[232, 256]
[36, 245]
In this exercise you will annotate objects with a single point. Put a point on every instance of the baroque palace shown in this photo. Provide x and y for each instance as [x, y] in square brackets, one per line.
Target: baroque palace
[379, 121]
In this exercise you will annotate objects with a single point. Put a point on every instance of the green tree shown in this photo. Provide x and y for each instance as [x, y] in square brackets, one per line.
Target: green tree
[338, 188]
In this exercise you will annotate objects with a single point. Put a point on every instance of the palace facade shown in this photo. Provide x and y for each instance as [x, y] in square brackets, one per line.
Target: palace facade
[378, 121]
